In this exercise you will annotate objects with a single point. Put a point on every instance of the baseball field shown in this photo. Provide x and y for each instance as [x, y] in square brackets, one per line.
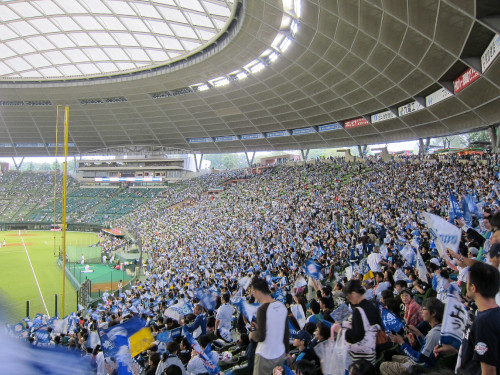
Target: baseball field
[29, 272]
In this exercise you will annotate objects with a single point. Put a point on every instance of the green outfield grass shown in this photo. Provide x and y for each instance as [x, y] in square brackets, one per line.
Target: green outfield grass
[17, 282]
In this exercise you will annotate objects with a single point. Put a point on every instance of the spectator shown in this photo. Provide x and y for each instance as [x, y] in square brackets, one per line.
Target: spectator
[433, 314]
[481, 345]
[199, 322]
[271, 332]
[169, 358]
[413, 311]
[301, 343]
[153, 361]
[223, 319]
[195, 365]
[375, 260]
[366, 322]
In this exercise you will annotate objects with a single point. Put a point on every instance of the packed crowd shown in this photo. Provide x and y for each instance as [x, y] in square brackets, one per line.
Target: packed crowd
[23, 192]
[342, 258]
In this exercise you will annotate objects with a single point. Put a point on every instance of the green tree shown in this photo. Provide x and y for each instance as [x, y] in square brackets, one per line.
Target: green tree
[230, 161]
[226, 161]
[480, 136]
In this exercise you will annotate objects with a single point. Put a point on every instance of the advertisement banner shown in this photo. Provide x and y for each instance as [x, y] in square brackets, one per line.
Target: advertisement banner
[467, 77]
[361, 121]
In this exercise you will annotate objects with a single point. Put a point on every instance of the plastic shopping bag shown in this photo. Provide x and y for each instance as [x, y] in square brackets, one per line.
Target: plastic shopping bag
[324, 351]
[340, 358]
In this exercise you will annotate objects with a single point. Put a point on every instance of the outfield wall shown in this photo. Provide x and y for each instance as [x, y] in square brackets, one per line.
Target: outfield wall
[37, 225]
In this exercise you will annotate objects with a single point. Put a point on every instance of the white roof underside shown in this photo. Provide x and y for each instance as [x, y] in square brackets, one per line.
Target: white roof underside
[79, 38]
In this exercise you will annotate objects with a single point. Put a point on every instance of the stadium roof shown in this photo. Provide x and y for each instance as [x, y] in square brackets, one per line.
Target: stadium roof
[245, 75]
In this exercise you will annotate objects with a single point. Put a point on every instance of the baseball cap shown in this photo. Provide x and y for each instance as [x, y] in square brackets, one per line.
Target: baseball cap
[495, 250]
[304, 336]
[473, 250]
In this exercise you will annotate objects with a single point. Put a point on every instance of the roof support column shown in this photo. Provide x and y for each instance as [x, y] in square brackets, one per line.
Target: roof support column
[198, 166]
[250, 160]
[360, 151]
[74, 161]
[498, 139]
[427, 145]
[18, 166]
[493, 138]
[421, 149]
[304, 155]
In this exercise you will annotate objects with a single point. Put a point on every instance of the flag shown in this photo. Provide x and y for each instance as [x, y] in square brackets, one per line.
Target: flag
[408, 255]
[298, 313]
[444, 234]
[16, 357]
[207, 298]
[18, 329]
[283, 282]
[313, 269]
[364, 268]
[341, 313]
[455, 210]
[469, 208]
[140, 341]
[369, 275]
[124, 340]
[300, 284]
[244, 282]
[422, 270]
[279, 295]
[178, 310]
[454, 322]
[391, 322]
[176, 332]
[205, 355]
[73, 321]
[37, 322]
[248, 310]
[164, 336]
[42, 335]
[292, 329]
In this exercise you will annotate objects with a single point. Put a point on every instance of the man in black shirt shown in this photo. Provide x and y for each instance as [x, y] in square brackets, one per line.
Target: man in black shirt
[480, 349]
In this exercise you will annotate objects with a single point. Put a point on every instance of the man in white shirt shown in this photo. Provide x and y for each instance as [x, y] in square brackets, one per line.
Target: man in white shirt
[271, 332]
[375, 260]
[224, 318]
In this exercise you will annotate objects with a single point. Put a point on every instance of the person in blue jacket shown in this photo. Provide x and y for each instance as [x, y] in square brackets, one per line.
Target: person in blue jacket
[200, 321]
[432, 311]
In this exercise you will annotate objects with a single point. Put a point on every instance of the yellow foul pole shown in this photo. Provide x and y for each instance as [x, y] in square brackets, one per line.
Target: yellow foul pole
[55, 178]
[65, 177]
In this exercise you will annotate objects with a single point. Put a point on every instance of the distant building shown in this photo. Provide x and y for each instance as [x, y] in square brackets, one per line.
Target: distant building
[149, 170]
[278, 159]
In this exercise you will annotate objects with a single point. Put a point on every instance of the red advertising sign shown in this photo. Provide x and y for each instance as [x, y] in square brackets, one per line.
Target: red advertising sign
[356, 122]
[467, 77]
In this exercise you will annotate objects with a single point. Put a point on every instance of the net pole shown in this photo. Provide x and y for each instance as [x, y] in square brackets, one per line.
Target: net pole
[55, 177]
[65, 177]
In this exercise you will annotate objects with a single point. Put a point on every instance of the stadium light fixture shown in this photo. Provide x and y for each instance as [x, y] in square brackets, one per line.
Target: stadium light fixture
[257, 67]
[201, 87]
[285, 44]
[273, 56]
[221, 81]
[277, 40]
[242, 75]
